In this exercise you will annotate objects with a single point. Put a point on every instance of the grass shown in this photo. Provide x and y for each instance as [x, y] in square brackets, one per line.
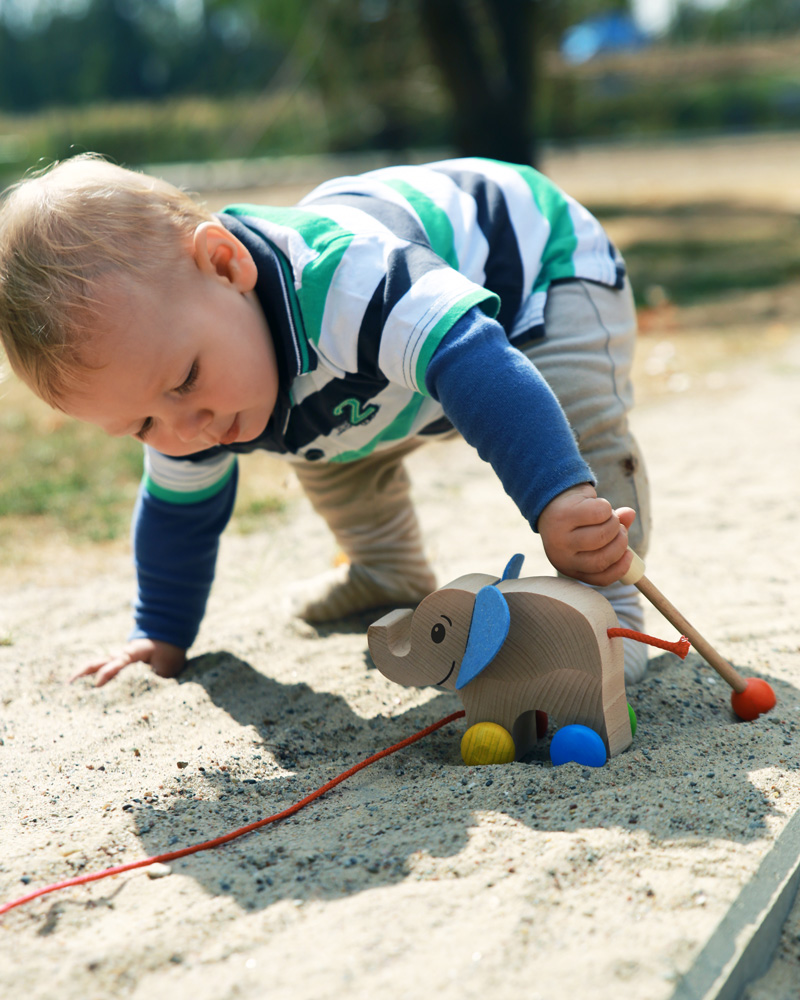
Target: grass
[69, 481]
[702, 253]
[717, 268]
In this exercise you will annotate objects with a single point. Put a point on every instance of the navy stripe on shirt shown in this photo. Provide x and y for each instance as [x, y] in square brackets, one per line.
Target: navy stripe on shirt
[398, 220]
[504, 274]
[316, 415]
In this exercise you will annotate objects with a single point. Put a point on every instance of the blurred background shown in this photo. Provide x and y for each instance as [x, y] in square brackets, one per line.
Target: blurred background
[158, 81]
[676, 121]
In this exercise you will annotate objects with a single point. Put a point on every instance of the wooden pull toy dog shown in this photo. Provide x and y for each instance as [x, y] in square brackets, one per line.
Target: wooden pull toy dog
[517, 650]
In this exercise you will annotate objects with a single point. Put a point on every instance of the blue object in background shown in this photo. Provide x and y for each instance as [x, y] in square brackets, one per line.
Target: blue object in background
[600, 35]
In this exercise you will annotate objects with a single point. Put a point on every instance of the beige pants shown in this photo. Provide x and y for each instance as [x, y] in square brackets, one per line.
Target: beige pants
[367, 505]
[586, 359]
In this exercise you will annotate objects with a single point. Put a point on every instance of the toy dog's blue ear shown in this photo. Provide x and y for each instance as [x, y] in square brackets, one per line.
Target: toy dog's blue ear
[491, 620]
[511, 572]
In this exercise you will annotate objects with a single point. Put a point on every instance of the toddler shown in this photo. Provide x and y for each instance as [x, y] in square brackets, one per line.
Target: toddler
[382, 311]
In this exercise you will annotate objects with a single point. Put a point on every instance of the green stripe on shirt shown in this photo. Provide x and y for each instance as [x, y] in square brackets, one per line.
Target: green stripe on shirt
[326, 238]
[434, 219]
[558, 254]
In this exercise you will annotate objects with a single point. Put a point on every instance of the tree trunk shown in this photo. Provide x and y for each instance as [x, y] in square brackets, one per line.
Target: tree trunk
[487, 60]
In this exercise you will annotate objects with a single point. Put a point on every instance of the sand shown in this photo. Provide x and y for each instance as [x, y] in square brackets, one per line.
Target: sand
[418, 876]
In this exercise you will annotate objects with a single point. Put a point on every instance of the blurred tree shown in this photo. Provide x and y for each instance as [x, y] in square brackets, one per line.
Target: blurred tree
[359, 56]
[387, 74]
[486, 54]
[367, 58]
[370, 60]
[127, 49]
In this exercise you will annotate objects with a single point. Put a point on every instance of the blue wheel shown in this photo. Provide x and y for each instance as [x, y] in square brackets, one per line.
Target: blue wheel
[579, 744]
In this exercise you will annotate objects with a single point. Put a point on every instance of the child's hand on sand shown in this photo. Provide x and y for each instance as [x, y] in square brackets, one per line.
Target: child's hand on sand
[165, 659]
[584, 537]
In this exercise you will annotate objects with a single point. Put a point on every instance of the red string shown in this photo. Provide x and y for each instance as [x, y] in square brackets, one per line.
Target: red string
[680, 647]
[219, 841]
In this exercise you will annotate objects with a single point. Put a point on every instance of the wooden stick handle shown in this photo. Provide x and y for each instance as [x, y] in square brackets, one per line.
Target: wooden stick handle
[635, 575]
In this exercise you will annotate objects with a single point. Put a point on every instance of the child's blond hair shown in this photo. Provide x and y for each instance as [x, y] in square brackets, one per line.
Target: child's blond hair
[61, 232]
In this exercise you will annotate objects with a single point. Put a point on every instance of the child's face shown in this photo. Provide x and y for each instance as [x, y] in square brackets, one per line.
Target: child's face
[187, 363]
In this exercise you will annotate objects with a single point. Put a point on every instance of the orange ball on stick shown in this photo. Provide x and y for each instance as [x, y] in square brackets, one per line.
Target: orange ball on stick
[756, 699]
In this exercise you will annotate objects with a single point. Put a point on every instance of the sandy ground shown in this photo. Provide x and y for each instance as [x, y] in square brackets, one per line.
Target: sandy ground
[418, 876]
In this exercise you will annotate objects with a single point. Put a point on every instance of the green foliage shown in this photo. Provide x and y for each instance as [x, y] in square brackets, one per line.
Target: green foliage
[735, 20]
[168, 131]
[245, 78]
[675, 90]
[126, 51]
[366, 65]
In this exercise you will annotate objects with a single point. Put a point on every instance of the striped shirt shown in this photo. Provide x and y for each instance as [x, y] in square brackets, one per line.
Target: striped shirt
[364, 278]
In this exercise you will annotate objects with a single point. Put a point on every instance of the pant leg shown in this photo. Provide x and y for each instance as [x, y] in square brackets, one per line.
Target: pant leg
[586, 359]
[367, 505]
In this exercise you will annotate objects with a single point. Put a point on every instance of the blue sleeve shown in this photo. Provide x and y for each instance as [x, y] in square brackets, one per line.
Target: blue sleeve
[175, 553]
[501, 405]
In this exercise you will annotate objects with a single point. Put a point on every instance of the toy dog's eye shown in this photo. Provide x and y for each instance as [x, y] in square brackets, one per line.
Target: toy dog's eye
[438, 632]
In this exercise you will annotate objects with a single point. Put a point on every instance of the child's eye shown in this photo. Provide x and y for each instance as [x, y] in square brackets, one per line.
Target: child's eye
[191, 378]
[145, 429]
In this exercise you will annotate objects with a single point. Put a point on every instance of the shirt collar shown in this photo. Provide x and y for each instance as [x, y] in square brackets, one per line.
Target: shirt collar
[277, 298]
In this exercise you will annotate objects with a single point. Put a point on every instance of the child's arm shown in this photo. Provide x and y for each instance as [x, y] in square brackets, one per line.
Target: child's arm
[181, 510]
[502, 406]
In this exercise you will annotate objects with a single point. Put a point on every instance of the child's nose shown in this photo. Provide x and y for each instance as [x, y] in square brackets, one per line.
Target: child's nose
[189, 425]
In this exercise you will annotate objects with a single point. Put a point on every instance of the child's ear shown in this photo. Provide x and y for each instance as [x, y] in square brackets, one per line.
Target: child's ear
[219, 253]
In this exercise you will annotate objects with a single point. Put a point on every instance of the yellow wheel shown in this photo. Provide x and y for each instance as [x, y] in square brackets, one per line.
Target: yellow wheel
[487, 743]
